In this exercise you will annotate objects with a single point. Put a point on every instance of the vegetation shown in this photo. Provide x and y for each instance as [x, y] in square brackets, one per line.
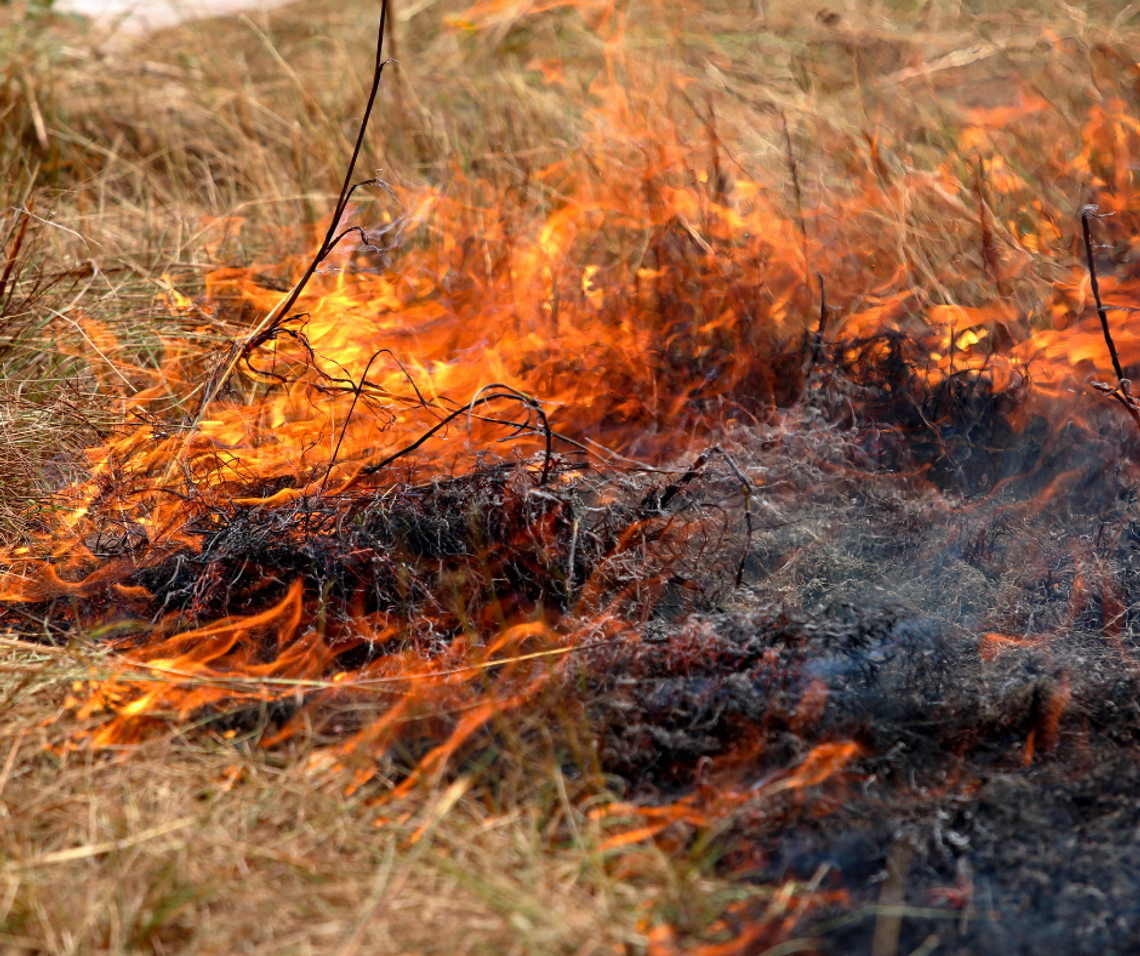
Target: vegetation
[135, 166]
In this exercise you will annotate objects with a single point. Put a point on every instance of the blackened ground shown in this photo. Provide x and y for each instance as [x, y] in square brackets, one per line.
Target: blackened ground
[1037, 857]
[1048, 859]
[980, 642]
[682, 694]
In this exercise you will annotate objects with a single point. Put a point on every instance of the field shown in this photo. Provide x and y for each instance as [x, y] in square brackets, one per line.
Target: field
[161, 194]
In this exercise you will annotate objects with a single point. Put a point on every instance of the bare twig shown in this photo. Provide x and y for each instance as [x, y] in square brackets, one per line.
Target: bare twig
[1087, 212]
[269, 326]
[481, 398]
[1122, 391]
[745, 486]
[822, 325]
[271, 321]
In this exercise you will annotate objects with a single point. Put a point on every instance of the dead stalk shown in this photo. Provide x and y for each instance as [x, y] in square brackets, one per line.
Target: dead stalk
[269, 326]
[1122, 391]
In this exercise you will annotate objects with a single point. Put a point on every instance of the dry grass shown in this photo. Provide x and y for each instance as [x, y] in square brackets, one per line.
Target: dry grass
[140, 159]
[200, 844]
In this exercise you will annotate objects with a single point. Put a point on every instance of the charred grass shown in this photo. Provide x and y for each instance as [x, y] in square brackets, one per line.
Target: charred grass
[218, 144]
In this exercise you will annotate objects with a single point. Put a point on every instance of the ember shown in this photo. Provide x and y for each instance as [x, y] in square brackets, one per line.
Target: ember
[782, 542]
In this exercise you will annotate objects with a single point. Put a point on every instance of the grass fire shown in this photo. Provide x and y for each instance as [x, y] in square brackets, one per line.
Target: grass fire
[577, 477]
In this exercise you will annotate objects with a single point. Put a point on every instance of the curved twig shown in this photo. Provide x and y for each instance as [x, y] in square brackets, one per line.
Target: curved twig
[479, 399]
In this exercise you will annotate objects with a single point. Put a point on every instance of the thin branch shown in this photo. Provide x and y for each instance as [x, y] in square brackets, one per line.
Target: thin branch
[479, 399]
[1087, 212]
[822, 324]
[348, 418]
[1122, 391]
[693, 471]
[268, 326]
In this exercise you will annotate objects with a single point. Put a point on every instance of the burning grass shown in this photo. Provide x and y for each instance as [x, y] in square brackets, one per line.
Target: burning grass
[686, 501]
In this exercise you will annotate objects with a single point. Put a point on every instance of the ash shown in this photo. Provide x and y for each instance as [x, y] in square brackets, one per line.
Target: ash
[966, 614]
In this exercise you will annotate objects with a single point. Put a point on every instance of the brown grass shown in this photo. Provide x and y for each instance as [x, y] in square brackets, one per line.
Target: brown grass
[141, 156]
[201, 844]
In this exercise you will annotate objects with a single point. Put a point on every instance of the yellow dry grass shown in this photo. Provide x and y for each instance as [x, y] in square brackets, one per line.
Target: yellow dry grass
[201, 844]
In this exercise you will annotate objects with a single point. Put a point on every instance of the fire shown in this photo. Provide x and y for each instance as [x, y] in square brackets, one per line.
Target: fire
[824, 761]
[407, 481]
[657, 299]
[640, 312]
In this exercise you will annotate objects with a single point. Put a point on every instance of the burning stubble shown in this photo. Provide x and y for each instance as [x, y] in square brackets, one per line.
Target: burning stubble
[573, 476]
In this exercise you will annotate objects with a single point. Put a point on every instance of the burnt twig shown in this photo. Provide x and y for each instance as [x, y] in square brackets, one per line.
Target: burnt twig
[1122, 391]
[1087, 213]
[348, 187]
[693, 471]
[532, 406]
[467, 410]
[822, 325]
[269, 326]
